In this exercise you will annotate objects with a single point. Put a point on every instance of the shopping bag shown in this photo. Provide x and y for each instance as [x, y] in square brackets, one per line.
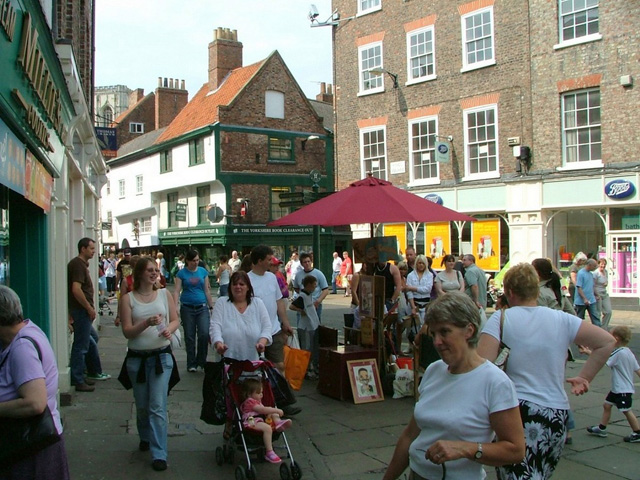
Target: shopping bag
[214, 406]
[296, 362]
[282, 392]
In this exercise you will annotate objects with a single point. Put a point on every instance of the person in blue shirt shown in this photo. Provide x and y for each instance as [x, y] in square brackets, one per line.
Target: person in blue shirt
[194, 293]
[585, 296]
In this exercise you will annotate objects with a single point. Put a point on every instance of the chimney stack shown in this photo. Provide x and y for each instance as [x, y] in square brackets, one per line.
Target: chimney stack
[225, 55]
[170, 100]
[135, 96]
[326, 93]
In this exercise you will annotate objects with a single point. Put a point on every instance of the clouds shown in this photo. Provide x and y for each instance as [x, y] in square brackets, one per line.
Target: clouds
[138, 41]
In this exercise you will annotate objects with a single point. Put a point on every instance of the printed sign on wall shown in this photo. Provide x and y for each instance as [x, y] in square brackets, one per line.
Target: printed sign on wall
[437, 241]
[485, 240]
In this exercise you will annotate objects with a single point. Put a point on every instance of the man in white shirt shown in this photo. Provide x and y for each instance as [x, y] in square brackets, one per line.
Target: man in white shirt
[265, 287]
[337, 263]
[234, 261]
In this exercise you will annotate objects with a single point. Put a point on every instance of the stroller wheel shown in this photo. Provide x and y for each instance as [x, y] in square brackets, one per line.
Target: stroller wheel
[285, 473]
[252, 474]
[230, 456]
[296, 473]
[241, 473]
[219, 456]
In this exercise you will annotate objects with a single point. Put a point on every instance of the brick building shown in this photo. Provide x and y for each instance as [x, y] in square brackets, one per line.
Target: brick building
[534, 103]
[147, 113]
[213, 177]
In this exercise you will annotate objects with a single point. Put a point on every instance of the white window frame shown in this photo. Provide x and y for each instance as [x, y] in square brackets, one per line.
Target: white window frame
[588, 37]
[383, 158]
[273, 104]
[427, 76]
[466, 66]
[144, 225]
[136, 127]
[139, 184]
[580, 164]
[370, 6]
[431, 151]
[121, 188]
[377, 78]
[468, 144]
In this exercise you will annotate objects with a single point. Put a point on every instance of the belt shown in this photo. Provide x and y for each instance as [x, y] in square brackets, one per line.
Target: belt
[141, 376]
[199, 305]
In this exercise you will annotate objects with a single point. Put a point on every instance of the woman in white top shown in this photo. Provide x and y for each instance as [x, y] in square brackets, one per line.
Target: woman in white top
[419, 285]
[149, 318]
[539, 338]
[240, 326]
[601, 280]
[449, 279]
[223, 273]
[464, 399]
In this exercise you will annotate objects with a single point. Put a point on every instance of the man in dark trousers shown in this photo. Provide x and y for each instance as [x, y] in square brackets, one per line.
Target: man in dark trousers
[81, 310]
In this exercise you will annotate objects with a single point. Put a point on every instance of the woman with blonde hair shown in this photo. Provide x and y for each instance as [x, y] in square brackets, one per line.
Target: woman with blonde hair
[539, 338]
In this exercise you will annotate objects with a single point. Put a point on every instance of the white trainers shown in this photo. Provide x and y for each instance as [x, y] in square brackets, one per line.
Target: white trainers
[633, 438]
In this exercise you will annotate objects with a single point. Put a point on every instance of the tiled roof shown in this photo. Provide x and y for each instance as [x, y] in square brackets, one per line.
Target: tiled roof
[202, 110]
[141, 142]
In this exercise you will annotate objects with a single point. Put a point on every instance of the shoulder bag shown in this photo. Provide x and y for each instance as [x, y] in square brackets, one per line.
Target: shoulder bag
[503, 349]
[24, 437]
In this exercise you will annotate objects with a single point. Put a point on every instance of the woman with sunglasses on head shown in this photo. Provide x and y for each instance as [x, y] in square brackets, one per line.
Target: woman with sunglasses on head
[149, 318]
[465, 402]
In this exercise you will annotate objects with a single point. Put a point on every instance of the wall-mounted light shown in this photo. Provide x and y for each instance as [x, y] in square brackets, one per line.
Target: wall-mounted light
[382, 71]
[332, 21]
[304, 141]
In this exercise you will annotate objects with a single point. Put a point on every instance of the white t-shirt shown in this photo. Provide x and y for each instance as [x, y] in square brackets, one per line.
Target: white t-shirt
[623, 364]
[240, 331]
[266, 288]
[457, 407]
[539, 338]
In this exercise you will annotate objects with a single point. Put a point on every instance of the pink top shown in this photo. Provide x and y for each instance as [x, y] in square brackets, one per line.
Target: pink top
[247, 408]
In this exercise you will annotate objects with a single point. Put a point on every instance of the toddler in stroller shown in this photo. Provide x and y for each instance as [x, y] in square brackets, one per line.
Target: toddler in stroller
[258, 417]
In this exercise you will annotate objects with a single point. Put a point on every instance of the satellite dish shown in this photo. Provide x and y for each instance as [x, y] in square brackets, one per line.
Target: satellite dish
[215, 214]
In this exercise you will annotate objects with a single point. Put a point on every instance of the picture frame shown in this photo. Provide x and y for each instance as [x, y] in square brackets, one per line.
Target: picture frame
[365, 381]
[367, 295]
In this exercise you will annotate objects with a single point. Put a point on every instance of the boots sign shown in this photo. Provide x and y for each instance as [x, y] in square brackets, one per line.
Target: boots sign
[619, 189]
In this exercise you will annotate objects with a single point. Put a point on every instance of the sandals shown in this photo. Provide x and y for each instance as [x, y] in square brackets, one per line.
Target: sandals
[271, 457]
[282, 425]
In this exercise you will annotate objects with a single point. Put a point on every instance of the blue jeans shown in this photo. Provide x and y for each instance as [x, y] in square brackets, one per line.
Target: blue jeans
[594, 313]
[151, 402]
[92, 358]
[81, 340]
[195, 321]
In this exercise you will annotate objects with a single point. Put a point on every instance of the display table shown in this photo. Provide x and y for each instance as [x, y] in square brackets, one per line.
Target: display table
[334, 376]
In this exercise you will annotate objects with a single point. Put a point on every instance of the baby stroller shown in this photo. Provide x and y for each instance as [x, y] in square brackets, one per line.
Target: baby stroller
[246, 439]
[103, 306]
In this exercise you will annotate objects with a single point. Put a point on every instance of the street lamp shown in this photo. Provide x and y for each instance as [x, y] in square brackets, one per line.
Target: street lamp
[382, 71]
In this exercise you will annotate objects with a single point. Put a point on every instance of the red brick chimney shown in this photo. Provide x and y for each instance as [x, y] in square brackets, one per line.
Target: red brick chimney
[326, 93]
[171, 98]
[225, 54]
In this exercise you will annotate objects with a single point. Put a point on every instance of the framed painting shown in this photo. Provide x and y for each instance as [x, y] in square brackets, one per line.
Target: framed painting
[365, 381]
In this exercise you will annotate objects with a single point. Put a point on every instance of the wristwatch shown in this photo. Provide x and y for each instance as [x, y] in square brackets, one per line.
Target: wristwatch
[478, 454]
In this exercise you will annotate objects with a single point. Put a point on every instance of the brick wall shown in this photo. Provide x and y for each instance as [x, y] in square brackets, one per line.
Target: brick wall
[169, 102]
[509, 78]
[144, 112]
[75, 23]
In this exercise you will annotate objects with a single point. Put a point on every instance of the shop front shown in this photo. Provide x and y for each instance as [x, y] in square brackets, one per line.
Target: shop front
[211, 242]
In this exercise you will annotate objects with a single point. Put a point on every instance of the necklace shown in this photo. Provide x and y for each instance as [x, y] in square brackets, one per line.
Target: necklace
[378, 269]
[145, 294]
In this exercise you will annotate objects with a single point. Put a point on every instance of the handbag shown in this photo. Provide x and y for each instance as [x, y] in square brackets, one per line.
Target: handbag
[296, 362]
[23, 437]
[214, 406]
[503, 350]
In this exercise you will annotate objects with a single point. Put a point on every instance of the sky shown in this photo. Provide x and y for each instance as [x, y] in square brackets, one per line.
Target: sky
[138, 41]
